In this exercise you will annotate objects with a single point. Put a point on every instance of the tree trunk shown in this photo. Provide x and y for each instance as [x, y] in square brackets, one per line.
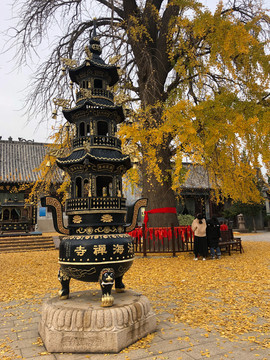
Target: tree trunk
[159, 195]
[154, 65]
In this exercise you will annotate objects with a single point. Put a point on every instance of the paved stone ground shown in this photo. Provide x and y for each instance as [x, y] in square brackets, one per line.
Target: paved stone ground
[20, 339]
[258, 236]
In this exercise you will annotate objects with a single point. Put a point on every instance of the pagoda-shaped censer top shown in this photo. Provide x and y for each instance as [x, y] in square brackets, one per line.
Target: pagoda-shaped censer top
[97, 243]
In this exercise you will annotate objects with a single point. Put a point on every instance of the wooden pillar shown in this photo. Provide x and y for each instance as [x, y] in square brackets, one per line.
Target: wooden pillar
[144, 239]
[173, 240]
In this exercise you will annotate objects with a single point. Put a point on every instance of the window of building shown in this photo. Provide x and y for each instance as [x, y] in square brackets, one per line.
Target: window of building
[82, 129]
[104, 186]
[15, 214]
[6, 214]
[85, 188]
[25, 214]
[78, 188]
[98, 84]
[102, 127]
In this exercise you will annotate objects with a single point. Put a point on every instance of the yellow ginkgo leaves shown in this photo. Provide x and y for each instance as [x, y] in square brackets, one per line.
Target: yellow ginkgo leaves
[230, 296]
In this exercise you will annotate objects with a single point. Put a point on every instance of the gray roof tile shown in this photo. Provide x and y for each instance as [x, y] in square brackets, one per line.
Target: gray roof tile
[19, 159]
[197, 178]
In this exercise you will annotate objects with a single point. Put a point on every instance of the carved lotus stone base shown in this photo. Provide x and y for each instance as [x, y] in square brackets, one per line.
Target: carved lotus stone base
[80, 324]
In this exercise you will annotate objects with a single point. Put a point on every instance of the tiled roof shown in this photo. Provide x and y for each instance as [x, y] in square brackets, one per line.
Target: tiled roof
[197, 178]
[18, 159]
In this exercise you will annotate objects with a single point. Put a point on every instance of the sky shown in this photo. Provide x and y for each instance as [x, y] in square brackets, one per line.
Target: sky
[13, 84]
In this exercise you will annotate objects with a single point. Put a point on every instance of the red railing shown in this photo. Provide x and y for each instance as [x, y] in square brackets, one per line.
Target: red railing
[162, 240]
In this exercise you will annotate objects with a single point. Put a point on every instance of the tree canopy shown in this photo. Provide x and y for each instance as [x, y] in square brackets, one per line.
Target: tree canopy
[196, 83]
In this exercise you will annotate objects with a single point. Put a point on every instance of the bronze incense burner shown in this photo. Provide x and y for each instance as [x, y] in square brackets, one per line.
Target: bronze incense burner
[96, 246]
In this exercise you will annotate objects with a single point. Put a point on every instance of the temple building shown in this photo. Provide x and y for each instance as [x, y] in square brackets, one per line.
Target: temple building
[196, 192]
[18, 163]
[20, 158]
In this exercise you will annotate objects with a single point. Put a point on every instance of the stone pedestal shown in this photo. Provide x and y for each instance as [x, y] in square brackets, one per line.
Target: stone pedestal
[80, 324]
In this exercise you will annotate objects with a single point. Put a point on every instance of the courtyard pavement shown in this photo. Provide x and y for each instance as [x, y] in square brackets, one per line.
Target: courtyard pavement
[19, 338]
[258, 236]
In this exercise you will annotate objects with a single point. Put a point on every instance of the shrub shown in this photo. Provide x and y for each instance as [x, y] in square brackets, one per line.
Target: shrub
[185, 219]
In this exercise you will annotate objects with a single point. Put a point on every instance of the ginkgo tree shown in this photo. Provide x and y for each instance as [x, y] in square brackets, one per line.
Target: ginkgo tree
[196, 84]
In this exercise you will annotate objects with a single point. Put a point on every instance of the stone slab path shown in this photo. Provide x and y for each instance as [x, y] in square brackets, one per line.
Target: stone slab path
[19, 334]
[19, 338]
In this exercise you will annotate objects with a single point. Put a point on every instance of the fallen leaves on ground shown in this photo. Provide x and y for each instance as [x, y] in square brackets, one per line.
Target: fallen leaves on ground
[230, 295]
[6, 352]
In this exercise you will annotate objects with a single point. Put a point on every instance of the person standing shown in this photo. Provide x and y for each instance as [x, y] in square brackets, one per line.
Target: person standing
[200, 241]
[213, 237]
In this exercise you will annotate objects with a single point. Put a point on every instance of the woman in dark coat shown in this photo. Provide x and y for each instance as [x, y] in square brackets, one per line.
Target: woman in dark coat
[213, 237]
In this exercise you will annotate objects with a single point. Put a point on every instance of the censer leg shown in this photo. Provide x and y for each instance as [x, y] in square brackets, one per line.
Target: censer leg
[106, 279]
[64, 280]
[119, 285]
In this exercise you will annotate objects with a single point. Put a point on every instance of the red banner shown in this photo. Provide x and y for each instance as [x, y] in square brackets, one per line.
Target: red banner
[171, 210]
[183, 232]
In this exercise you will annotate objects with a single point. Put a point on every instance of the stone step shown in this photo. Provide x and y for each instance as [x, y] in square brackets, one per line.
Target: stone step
[26, 244]
[31, 248]
[25, 240]
[22, 244]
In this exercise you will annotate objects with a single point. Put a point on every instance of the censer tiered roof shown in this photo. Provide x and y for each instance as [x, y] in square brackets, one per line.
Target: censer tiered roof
[91, 102]
[95, 155]
[95, 60]
[104, 99]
